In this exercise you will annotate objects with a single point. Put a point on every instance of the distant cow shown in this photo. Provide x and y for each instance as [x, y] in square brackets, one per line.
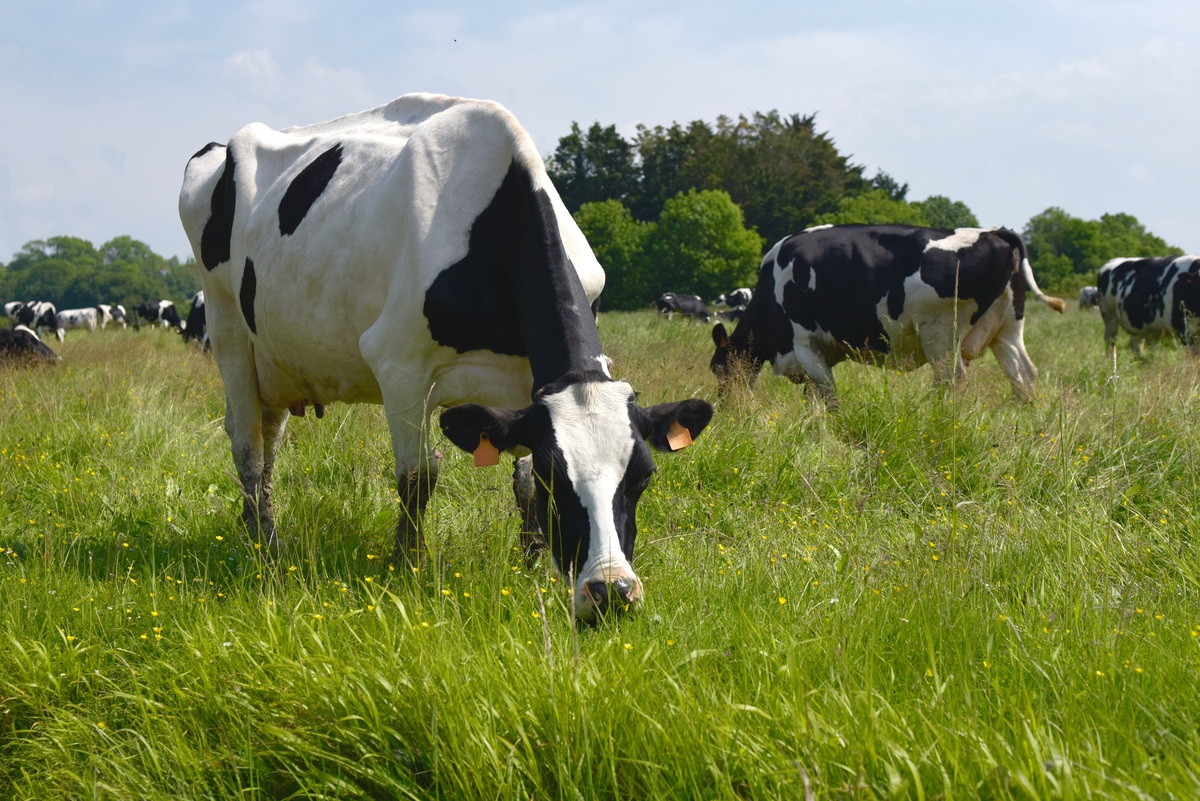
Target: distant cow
[112, 313]
[78, 318]
[737, 299]
[890, 294]
[669, 303]
[417, 255]
[162, 312]
[20, 345]
[40, 316]
[195, 328]
[1089, 298]
[1150, 298]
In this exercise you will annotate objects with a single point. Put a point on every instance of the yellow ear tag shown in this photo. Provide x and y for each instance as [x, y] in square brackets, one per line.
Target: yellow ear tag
[486, 455]
[678, 437]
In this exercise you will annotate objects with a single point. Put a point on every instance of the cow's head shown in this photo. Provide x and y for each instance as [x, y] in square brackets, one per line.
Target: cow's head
[591, 463]
[732, 363]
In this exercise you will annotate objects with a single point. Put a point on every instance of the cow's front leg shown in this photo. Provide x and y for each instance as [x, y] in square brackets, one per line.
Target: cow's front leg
[414, 486]
[533, 539]
[416, 464]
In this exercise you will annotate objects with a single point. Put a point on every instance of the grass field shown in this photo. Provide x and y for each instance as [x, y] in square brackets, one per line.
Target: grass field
[919, 594]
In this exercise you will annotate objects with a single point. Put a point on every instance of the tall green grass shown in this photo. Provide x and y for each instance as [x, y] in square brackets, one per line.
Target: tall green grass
[920, 594]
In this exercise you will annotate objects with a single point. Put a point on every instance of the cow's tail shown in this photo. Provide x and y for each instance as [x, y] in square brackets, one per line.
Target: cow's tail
[1025, 271]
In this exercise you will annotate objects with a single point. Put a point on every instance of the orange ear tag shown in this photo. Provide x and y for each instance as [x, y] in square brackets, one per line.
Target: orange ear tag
[678, 437]
[486, 455]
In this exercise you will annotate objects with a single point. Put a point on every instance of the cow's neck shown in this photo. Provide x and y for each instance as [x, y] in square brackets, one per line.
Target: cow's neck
[515, 291]
[554, 314]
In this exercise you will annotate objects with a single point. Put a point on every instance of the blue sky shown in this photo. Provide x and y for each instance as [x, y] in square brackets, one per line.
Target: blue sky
[1011, 107]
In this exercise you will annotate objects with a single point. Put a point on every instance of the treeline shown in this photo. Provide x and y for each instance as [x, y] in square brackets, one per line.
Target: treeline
[681, 208]
[73, 273]
[1065, 249]
[687, 208]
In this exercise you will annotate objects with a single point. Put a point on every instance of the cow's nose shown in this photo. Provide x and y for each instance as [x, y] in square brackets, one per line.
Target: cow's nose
[618, 594]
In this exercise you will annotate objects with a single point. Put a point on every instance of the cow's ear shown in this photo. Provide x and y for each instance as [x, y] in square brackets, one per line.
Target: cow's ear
[720, 338]
[673, 426]
[467, 425]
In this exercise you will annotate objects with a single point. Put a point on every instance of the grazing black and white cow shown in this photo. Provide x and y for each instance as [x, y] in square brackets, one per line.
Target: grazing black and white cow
[737, 299]
[20, 345]
[162, 312]
[891, 294]
[78, 318]
[1089, 298]
[40, 315]
[1150, 298]
[434, 265]
[195, 326]
[669, 303]
[112, 313]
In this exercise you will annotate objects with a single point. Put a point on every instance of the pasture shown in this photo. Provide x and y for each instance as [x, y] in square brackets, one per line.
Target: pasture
[920, 594]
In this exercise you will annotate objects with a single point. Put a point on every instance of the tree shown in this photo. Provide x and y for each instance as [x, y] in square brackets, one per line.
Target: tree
[875, 207]
[780, 170]
[942, 212]
[701, 246]
[71, 273]
[892, 188]
[1055, 238]
[619, 242]
[593, 166]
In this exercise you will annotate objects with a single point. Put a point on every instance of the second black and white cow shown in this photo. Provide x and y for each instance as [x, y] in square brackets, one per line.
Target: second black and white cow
[1150, 298]
[669, 303]
[160, 312]
[435, 265]
[886, 294]
[40, 316]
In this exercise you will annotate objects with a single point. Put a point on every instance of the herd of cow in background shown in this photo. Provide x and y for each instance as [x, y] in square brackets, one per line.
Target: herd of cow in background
[31, 320]
[487, 301]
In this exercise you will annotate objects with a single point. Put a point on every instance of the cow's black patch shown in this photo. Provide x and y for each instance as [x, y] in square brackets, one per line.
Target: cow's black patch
[246, 295]
[1141, 285]
[215, 242]
[305, 188]
[516, 291]
[204, 150]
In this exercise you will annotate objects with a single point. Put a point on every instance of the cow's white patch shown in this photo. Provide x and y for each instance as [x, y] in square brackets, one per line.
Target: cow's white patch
[605, 365]
[817, 228]
[584, 417]
[783, 277]
[961, 239]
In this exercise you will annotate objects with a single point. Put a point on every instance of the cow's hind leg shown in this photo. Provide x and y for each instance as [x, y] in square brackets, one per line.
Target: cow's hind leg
[273, 423]
[938, 336]
[254, 434]
[1009, 349]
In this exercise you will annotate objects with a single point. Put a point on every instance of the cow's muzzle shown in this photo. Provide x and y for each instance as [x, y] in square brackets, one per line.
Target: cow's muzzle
[600, 598]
